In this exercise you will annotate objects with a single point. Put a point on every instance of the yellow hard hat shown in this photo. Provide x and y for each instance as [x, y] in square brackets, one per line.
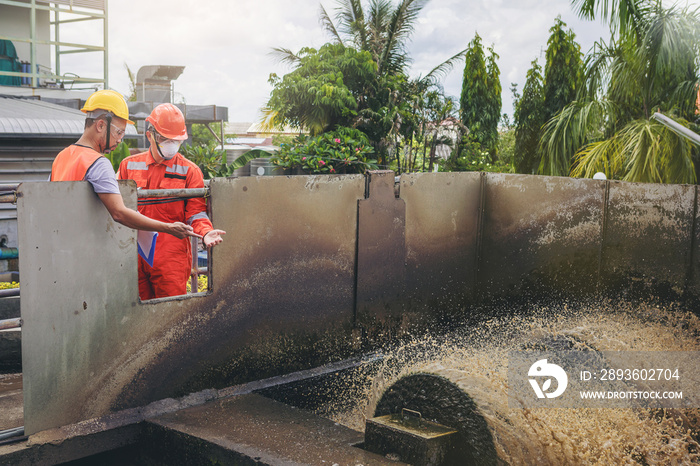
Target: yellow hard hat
[109, 100]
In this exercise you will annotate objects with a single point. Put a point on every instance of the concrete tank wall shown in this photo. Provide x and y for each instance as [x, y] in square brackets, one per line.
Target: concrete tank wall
[316, 268]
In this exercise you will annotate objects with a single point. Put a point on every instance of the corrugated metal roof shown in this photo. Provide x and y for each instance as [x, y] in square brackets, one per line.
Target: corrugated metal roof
[34, 117]
[237, 127]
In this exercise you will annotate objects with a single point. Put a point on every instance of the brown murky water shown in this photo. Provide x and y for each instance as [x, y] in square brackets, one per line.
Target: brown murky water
[476, 360]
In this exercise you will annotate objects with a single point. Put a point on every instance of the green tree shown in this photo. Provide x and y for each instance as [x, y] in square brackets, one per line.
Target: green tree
[391, 108]
[132, 84]
[564, 69]
[475, 92]
[529, 117]
[624, 16]
[383, 104]
[381, 29]
[492, 111]
[506, 143]
[563, 81]
[609, 129]
[202, 136]
[324, 91]
[480, 101]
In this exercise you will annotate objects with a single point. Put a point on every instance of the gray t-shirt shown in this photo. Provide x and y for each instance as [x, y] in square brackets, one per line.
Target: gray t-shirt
[102, 178]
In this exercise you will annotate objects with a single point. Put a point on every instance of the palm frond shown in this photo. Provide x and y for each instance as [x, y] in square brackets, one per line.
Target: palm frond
[623, 16]
[328, 26]
[577, 124]
[400, 28]
[441, 70]
[284, 55]
[597, 157]
[351, 20]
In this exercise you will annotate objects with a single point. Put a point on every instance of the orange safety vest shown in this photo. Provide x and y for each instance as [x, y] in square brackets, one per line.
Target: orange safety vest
[73, 162]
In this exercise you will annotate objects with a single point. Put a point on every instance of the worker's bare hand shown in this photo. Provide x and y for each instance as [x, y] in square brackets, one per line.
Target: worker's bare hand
[180, 230]
[213, 238]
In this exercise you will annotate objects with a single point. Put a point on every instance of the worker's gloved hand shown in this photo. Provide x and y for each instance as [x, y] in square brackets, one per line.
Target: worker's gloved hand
[213, 237]
[180, 230]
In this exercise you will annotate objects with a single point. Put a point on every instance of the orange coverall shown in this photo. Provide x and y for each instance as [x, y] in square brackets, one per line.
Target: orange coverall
[172, 262]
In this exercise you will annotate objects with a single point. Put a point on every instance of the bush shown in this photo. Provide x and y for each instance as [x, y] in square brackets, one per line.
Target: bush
[208, 158]
[473, 158]
[345, 150]
[118, 154]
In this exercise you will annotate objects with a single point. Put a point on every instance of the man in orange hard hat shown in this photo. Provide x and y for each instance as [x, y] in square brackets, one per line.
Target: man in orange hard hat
[107, 115]
[162, 167]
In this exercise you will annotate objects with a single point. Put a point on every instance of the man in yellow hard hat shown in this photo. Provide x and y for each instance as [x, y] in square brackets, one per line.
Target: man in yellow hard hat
[163, 167]
[107, 116]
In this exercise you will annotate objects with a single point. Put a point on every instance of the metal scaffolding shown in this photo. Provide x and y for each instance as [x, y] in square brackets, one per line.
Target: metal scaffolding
[77, 11]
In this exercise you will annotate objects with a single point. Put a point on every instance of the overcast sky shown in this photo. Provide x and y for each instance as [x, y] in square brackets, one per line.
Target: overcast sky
[225, 45]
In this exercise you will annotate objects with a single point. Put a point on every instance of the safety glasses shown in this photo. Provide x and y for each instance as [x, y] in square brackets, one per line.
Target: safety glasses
[161, 139]
[118, 132]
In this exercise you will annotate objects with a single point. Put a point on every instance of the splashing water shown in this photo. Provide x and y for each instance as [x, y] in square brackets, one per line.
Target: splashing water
[475, 358]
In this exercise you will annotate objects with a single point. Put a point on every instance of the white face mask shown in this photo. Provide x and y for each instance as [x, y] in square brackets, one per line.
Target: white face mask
[168, 149]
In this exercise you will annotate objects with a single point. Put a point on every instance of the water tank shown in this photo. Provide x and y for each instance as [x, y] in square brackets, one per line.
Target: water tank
[233, 151]
[262, 167]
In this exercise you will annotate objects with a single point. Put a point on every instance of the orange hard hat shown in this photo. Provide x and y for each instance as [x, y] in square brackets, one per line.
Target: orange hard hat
[169, 121]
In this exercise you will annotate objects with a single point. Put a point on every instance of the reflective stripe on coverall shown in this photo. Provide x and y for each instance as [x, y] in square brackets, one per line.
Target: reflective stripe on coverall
[173, 258]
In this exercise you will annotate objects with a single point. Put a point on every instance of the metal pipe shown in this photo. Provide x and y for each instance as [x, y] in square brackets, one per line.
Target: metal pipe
[194, 274]
[677, 128]
[9, 292]
[7, 324]
[57, 38]
[9, 253]
[183, 193]
[17, 431]
[105, 47]
[8, 198]
[32, 44]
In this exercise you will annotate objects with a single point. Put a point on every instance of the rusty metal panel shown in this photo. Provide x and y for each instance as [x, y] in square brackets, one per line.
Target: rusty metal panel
[693, 287]
[540, 234]
[648, 236]
[381, 252]
[283, 290]
[78, 285]
[283, 295]
[442, 224]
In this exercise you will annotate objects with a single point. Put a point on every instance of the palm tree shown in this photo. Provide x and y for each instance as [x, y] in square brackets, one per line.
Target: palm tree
[624, 16]
[383, 31]
[393, 101]
[653, 69]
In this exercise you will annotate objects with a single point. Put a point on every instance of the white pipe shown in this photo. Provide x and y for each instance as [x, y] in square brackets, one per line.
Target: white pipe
[677, 128]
